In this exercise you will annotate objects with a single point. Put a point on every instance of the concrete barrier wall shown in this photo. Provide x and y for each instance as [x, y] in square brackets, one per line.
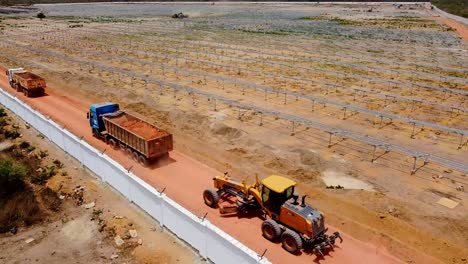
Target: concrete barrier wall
[211, 242]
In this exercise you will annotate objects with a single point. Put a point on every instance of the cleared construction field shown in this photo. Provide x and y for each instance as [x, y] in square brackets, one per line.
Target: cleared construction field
[372, 99]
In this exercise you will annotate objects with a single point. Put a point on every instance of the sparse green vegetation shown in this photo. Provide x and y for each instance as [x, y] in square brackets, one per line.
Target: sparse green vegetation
[43, 153]
[12, 177]
[456, 7]
[58, 163]
[44, 174]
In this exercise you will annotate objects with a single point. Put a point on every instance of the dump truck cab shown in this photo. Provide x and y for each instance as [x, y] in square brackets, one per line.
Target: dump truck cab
[11, 72]
[95, 114]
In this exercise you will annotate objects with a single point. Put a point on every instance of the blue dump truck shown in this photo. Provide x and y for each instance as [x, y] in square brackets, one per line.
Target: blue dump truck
[139, 139]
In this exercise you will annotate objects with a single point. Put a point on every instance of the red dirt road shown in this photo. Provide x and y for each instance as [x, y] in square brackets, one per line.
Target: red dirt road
[185, 179]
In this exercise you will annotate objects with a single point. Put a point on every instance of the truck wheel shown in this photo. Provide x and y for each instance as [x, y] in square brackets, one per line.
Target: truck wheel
[291, 241]
[211, 198]
[271, 230]
[112, 143]
[143, 161]
[95, 133]
[135, 156]
[129, 152]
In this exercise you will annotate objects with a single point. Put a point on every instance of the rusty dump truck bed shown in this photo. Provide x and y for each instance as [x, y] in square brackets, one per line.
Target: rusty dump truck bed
[29, 80]
[138, 134]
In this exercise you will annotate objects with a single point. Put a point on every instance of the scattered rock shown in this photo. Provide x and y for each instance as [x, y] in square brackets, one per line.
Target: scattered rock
[114, 256]
[390, 209]
[133, 233]
[335, 187]
[89, 205]
[118, 217]
[140, 241]
[118, 240]
[448, 171]
[179, 15]
[61, 197]
[29, 240]
[460, 188]
[99, 242]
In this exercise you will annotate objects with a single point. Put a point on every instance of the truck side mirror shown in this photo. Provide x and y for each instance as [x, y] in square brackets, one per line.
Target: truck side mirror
[87, 115]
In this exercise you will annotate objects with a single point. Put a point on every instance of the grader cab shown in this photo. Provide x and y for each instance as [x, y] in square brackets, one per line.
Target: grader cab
[296, 224]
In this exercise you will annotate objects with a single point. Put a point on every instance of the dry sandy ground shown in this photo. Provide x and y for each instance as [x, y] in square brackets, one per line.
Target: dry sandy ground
[184, 179]
[78, 235]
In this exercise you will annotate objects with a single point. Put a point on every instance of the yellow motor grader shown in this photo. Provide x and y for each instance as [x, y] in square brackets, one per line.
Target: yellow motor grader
[296, 225]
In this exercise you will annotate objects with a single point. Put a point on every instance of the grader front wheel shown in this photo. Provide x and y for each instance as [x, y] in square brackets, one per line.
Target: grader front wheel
[291, 241]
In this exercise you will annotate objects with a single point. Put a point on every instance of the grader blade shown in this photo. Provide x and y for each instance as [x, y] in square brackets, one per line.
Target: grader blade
[230, 209]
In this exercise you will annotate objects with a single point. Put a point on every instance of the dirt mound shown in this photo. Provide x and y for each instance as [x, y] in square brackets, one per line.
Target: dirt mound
[137, 126]
[226, 131]
[309, 158]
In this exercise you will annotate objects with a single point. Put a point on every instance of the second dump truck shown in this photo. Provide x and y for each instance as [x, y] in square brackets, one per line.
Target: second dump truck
[140, 140]
[26, 82]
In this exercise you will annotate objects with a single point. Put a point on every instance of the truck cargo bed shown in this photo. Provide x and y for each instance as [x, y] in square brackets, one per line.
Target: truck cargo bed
[29, 83]
[138, 134]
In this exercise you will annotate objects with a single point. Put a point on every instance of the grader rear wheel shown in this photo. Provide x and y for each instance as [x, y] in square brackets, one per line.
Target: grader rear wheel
[211, 198]
[270, 229]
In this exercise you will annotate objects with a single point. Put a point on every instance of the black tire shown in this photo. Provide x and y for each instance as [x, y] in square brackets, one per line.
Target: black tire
[112, 143]
[135, 156]
[271, 230]
[211, 198]
[291, 241]
[143, 161]
[95, 133]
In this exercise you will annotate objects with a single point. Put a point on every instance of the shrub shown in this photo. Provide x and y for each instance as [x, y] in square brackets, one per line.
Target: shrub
[41, 15]
[31, 148]
[58, 163]
[45, 174]
[22, 207]
[50, 199]
[13, 133]
[11, 177]
[24, 145]
[43, 154]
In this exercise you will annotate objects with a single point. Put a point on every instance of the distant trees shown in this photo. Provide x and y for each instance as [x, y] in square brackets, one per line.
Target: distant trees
[41, 15]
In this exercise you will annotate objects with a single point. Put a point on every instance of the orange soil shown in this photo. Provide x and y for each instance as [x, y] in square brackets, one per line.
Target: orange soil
[459, 27]
[184, 180]
[138, 127]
